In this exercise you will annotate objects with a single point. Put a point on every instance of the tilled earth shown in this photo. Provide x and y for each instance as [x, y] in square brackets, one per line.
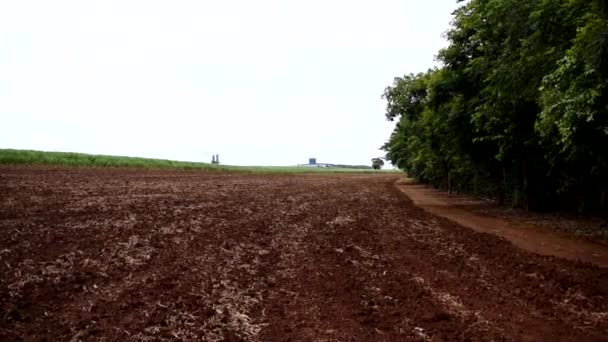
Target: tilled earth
[135, 255]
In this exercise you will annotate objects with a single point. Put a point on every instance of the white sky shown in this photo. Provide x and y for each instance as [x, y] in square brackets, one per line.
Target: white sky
[259, 82]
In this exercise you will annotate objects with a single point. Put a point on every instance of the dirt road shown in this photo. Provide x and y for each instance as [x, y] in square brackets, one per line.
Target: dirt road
[137, 255]
[532, 234]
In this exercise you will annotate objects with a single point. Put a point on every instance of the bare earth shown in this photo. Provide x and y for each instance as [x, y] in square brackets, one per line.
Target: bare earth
[132, 255]
[542, 234]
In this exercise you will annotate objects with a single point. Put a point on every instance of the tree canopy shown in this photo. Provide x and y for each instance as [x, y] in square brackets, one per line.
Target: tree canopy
[518, 108]
[377, 163]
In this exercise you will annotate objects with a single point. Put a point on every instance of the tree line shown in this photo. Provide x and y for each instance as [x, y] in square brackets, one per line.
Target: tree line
[517, 110]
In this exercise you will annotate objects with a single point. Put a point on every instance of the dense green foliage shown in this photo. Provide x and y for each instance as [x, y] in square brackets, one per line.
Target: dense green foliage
[26, 157]
[518, 108]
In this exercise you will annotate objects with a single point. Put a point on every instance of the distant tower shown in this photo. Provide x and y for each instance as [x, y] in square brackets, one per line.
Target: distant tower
[312, 161]
[215, 159]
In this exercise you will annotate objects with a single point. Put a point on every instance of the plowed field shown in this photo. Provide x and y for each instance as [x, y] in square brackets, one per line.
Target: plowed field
[135, 255]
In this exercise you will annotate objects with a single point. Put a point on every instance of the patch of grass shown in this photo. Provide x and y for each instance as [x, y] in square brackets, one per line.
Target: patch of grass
[29, 157]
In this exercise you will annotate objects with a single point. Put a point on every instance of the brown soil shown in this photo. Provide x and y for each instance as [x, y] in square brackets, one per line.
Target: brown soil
[540, 234]
[120, 255]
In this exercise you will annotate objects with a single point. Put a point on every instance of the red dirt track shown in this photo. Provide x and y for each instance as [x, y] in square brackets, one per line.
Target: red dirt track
[136, 255]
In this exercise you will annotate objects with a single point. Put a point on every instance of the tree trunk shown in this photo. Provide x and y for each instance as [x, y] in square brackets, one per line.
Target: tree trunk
[475, 184]
[449, 182]
[503, 187]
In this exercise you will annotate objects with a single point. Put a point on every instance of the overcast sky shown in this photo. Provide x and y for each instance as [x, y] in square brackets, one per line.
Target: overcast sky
[258, 82]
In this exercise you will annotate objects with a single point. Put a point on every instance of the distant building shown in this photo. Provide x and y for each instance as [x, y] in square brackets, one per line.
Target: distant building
[312, 162]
